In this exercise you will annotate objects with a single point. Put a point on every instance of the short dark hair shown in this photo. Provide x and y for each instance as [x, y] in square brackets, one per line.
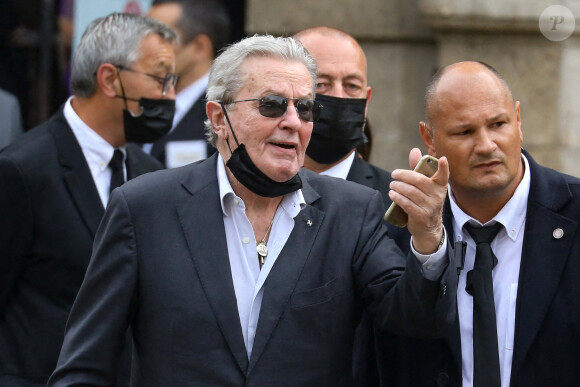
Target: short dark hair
[208, 17]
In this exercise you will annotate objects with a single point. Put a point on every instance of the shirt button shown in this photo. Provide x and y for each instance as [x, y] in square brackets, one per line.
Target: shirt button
[236, 201]
[246, 240]
[513, 233]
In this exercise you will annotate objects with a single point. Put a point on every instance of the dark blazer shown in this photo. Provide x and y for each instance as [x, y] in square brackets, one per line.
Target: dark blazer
[365, 367]
[547, 322]
[191, 127]
[179, 298]
[49, 213]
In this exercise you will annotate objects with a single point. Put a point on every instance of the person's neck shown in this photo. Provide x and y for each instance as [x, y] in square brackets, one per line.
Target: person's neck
[317, 167]
[100, 119]
[189, 77]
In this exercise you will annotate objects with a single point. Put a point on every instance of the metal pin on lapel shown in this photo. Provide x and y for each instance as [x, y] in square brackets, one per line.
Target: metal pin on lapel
[309, 223]
[558, 233]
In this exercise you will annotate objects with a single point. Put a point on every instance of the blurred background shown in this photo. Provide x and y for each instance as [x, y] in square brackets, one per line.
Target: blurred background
[534, 43]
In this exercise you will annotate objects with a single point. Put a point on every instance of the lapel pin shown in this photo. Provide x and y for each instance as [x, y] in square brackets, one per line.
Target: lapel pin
[558, 233]
[309, 223]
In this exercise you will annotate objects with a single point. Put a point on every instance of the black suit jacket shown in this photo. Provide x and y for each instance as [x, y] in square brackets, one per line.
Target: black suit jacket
[191, 127]
[547, 322]
[365, 366]
[49, 213]
[179, 298]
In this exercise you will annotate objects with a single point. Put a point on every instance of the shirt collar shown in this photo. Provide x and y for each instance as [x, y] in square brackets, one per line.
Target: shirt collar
[341, 169]
[291, 203]
[512, 216]
[96, 149]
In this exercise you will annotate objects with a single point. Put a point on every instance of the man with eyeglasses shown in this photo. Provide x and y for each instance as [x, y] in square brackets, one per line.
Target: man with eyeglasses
[56, 179]
[204, 28]
[267, 266]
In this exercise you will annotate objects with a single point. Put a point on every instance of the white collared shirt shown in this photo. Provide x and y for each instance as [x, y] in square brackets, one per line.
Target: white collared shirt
[507, 247]
[247, 277]
[96, 150]
[341, 169]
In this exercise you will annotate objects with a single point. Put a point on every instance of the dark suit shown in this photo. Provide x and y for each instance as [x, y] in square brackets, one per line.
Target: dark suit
[547, 323]
[179, 298]
[365, 367]
[191, 127]
[49, 213]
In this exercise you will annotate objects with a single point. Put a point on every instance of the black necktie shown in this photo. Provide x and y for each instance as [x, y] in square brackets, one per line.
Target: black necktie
[480, 286]
[117, 172]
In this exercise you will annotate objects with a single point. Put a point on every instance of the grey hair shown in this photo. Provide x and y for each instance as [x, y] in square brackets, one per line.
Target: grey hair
[114, 39]
[226, 80]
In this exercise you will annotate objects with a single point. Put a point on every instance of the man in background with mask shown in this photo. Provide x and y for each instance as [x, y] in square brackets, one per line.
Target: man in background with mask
[204, 28]
[342, 89]
[56, 179]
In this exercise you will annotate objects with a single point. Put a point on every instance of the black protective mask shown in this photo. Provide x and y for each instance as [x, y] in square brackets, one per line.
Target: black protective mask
[339, 129]
[154, 122]
[247, 173]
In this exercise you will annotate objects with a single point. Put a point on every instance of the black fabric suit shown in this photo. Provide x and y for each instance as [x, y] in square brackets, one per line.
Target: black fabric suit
[365, 367]
[547, 322]
[179, 298]
[49, 213]
[191, 127]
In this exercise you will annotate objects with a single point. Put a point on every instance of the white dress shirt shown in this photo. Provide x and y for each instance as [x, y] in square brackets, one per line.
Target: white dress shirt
[341, 169]
[96, 150]
[507, 247]
[247, 277]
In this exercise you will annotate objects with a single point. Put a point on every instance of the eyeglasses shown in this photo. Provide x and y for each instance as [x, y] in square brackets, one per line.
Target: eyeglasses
[165, 82]
[274, 106]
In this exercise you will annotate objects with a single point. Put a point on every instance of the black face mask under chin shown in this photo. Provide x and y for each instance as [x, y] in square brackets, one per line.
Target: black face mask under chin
[339, 130]
[251, 177]
[154, 122]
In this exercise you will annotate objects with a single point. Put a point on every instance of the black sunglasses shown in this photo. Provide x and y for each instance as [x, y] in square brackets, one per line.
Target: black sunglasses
[274, 106]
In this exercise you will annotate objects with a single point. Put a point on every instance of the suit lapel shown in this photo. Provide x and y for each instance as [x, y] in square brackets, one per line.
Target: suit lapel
[134, 167]
[286, 272]
[543, 256]
[76, 173]
[202, 223]
[453, 335]
[360, 173]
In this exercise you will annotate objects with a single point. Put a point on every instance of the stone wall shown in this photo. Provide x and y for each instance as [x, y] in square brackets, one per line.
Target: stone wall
[406, 41]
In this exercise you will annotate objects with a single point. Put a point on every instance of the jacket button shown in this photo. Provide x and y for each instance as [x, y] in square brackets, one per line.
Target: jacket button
[442, 379]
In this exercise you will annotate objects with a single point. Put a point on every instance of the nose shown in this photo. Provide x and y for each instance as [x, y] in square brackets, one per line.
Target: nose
[290, 119]
[170, 94]
[485, 143]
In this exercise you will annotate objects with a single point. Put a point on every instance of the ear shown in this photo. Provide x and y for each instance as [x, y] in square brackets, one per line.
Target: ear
[203, 48]
[427, 136]
[519, 121]
[216, 116]
[107, 79]
[369, 96]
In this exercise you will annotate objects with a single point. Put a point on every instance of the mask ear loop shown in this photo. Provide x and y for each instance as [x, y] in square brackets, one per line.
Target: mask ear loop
[231, 129]
[124, 97]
